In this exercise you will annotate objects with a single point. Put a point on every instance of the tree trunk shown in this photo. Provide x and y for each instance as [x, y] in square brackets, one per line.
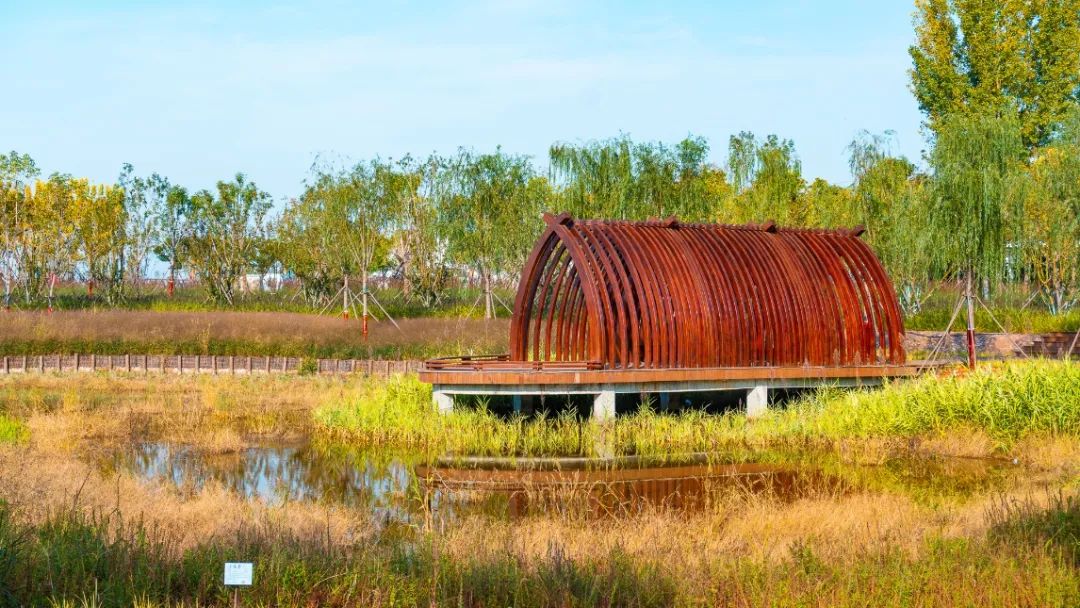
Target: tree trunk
[489, 303]
[52, 285]
[364, 304]
[970, 297]
[345, 298]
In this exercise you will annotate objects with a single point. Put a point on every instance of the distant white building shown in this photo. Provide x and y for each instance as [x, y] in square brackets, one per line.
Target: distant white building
[270, 282]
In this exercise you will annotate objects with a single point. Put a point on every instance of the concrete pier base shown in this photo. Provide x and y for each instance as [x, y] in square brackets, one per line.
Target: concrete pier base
[604, 406]
[526, 396]
[444, 402]
[757, 401]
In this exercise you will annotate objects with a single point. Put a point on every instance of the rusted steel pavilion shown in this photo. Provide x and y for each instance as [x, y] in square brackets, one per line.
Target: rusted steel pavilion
[661, 306]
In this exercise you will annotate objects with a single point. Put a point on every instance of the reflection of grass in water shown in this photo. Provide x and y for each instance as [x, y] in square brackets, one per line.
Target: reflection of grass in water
[1007, 403]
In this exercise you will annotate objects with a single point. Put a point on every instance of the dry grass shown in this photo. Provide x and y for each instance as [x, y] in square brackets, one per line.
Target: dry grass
[691, 548]
[738, 532]
[215, 414]
[242, 333]
[39, 484]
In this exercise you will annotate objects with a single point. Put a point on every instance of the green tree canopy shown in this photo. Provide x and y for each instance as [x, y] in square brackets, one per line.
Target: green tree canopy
[977, 163]
[618, 178]
[768, 180]
[490, 208]
[991, 56]
[223, 239]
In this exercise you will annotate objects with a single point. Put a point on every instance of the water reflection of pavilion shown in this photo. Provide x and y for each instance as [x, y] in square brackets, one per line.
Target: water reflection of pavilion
[615, 489]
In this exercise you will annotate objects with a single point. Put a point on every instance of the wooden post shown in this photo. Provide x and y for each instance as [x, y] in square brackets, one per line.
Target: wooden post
[76, 361]
[198, 364]
[93, 362]
[127, 362]
[232, 364]
[268, 364]
[249, 365]
[42, 363]
[145, 364]
[161, 363]
[214, 359]
[7, 370]
[284, 364]
[25, 362]
[180, 364]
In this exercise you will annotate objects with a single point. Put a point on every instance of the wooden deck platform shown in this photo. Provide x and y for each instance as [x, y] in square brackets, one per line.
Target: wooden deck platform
[502, 377]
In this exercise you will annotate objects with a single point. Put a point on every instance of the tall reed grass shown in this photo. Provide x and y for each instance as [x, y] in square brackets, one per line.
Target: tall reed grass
[1007, 402]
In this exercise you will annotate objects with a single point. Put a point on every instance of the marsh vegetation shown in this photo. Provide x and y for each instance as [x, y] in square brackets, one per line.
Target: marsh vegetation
[126, 490]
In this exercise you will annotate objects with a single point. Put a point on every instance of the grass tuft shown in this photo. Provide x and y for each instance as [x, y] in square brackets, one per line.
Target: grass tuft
[12, 430]
[1007, 403]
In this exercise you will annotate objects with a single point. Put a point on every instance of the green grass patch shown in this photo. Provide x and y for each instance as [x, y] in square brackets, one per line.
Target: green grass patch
[1008, 402]
[1013, 318]
[12, 430]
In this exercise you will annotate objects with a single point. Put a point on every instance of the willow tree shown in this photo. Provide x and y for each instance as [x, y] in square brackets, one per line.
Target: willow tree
[618, 178]
[490, 208]
[827, 205]
[1051, 238]
[977, 162]
[891, 200]
[981, 56]
[1050, 230]
[768, 180]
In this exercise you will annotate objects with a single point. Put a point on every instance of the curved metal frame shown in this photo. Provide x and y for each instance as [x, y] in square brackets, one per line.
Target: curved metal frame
[663, 294]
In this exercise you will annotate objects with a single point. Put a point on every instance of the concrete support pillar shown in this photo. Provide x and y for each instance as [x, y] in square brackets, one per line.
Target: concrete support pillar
[757, 401]
[665, 401]
[604, 406]
[516, 399]
[444, 402]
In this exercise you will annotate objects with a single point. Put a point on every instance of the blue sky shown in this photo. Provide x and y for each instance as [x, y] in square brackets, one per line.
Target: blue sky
[200, 90]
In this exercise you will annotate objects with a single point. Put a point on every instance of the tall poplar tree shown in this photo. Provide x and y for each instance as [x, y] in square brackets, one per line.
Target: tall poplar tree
[980, 56]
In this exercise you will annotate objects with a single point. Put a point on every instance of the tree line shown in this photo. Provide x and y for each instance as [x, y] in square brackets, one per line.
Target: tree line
[996, 196]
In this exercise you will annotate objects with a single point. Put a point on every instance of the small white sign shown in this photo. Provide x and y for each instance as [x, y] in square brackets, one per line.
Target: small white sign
[238, 574]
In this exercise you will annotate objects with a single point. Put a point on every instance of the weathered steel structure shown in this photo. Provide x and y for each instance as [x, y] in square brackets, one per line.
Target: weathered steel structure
[662, 306]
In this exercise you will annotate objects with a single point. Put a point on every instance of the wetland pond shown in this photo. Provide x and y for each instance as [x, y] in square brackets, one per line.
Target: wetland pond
[406, 487]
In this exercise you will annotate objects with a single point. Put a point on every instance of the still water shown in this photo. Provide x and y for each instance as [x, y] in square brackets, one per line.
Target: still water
[402, 487]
